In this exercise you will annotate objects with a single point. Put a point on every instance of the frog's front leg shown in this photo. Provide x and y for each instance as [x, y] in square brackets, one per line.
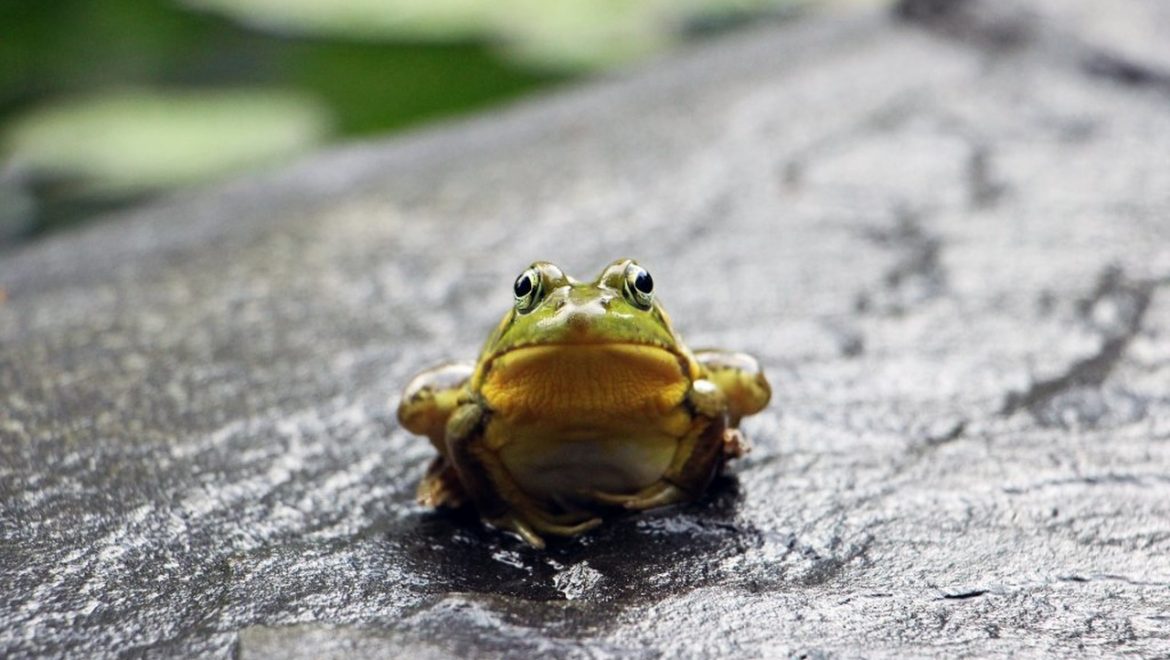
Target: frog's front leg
[739, 377]
[431, 397]
[707, 399]
[426, 406]
[496, 495]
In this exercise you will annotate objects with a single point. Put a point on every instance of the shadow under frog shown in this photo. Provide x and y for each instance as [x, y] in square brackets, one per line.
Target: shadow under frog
[634, 558]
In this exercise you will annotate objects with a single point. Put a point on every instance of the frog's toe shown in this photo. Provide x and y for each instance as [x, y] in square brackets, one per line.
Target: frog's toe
[662, 496]
[531, 527]
[549, 527]
[656, 495]
[735, 445]
[572, 517]
[441, 487]
[609, 498]
[520, 527]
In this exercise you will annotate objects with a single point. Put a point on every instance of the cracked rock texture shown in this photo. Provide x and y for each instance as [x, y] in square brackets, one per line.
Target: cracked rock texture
[945, 231]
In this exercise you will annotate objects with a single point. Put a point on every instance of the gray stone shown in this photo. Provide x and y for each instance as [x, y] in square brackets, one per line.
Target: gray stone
[946, 236]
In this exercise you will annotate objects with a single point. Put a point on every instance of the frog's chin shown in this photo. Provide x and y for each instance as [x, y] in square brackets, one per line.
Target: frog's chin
[585, 384]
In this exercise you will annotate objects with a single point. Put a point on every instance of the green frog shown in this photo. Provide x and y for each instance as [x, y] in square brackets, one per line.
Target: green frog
[584, 401]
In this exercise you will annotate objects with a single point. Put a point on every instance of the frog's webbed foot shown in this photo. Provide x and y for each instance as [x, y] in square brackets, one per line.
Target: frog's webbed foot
[528, 525]
[549, 526]
[566, 518]
[441, 487]
[659, 493]
[510, 522]
[569, 523]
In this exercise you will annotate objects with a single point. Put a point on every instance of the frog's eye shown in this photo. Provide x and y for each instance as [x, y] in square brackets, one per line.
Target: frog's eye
[639, 288]
[527, 290]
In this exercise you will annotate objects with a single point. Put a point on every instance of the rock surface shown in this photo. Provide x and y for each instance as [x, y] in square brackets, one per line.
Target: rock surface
[945, 234]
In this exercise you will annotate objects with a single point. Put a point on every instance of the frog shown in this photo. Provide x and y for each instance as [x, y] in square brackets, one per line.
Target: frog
[583, 402]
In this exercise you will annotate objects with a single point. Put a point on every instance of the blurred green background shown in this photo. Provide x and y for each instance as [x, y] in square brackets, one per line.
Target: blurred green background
[104, 103]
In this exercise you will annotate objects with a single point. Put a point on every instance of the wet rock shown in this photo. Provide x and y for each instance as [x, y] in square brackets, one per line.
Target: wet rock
[950, 255]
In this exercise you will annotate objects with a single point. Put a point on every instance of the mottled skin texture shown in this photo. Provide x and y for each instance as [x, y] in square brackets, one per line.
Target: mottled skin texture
[584, 400]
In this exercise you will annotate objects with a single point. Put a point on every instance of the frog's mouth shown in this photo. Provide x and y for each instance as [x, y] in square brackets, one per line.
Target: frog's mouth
[585, 381]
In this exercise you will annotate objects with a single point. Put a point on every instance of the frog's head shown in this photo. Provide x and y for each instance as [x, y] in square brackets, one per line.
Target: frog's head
[618, 309]
[549, 307]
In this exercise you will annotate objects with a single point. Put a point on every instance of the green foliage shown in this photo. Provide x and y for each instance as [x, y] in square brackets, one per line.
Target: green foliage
[134, 142]
[106, 100]
[103, 101]
[372, 87]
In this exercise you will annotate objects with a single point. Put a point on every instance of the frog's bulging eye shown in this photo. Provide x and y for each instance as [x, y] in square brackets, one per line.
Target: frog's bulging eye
[639, 288]
[527, 290]
[643, 283]
[523, 285]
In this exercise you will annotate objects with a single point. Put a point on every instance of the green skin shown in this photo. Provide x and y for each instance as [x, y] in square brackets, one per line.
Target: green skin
[447, 405]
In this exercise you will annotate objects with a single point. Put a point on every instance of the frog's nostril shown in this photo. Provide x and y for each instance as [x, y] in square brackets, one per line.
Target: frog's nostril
[560, 304]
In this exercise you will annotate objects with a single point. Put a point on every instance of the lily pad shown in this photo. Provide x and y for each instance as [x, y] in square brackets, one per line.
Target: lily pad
[567, 34]
[140, 141]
